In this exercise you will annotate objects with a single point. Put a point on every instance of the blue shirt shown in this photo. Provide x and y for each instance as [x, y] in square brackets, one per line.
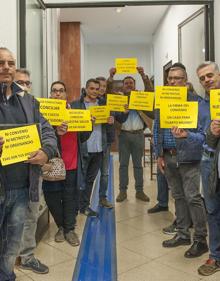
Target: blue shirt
[163, 138]
[94, 143]
[205, 117]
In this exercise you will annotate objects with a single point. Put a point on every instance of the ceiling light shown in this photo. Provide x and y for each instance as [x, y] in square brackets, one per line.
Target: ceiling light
[118, 10]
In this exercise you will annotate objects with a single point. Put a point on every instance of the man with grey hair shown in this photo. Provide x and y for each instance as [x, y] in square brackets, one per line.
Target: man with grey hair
[209, 77]
[28, 241]
[19, 181]
[178, 156]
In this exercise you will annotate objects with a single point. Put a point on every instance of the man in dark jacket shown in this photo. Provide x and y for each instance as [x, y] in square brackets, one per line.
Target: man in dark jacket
[209, 76]
[94, 147]
[110, 131]
[178, 155]
[18, 182]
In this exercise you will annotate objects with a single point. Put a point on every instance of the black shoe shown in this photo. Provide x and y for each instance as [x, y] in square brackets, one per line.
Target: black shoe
[196, 250]
[156, 209]
[175, 242]
[171, 229]
[90, 213]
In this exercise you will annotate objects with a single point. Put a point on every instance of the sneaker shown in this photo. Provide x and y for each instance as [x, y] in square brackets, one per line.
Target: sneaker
[210, 267]
[156, 209]
[59, 236]
[121, 196]
[171, 229]
[34, 265]
[90, 213]
[175, 242]
[197, 249]
[72, 238]
[142, 196]
[103, 202]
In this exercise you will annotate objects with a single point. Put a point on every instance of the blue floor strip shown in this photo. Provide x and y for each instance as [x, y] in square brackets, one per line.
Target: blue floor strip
[97, 260]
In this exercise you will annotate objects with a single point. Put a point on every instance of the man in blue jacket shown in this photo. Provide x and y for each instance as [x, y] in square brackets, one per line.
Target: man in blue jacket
[179, 153]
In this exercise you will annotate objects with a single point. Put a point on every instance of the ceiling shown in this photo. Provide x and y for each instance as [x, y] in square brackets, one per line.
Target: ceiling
[133, 25]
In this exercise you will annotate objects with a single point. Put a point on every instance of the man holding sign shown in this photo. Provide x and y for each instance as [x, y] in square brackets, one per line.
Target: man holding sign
[19, 181]
[96, 145]
[179, 153]
[28, 242]
[209, 76]
[131, 141]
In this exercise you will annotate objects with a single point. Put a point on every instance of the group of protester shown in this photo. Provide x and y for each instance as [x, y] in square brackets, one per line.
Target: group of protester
[182, 155]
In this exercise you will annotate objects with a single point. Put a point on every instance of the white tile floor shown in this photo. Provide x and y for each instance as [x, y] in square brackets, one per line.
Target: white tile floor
[139, 252]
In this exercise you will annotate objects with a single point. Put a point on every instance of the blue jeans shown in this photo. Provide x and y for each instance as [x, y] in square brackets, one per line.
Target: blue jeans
[213, 209]
[12, 217]
[92, 166]
[162, 189]
[28, 241]
[103, 186]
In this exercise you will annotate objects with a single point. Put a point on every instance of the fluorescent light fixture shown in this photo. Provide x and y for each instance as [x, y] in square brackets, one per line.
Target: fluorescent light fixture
[118, 10]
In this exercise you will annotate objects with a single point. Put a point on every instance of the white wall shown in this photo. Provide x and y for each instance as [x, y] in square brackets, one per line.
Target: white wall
[53, 42]
[100, 58]
[217, 35]
[166, 38]
[8, 25]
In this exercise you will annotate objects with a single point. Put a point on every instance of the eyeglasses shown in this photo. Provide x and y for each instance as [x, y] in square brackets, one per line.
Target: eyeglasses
[23, 83]
[175, 78]
[58, 91]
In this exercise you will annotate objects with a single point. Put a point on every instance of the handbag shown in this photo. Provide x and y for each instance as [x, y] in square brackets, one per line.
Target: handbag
[54, 170]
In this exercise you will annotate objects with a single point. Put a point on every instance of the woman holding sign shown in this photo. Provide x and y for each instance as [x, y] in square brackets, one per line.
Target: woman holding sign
[62, 196]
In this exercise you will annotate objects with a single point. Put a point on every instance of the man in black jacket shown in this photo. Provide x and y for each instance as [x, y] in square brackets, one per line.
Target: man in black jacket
[93, 149]
[18, 108]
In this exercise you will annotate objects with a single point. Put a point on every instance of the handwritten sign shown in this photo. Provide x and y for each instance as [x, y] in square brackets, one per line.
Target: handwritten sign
[141, 100]
[215, 104]
[181, 115]
[117, 102]
[170, 94]
[19, 143]
[101, 113]
[53, 110]
[79, 120]
[126, 65]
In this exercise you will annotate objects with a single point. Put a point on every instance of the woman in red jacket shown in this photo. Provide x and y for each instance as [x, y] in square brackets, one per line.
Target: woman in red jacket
[62, 196]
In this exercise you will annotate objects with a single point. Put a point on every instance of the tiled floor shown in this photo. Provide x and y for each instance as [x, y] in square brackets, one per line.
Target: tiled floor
[140, 255]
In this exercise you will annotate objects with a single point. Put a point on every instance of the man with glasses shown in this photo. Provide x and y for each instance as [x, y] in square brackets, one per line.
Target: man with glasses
[179, 153]
[28, 242]
[22, 78]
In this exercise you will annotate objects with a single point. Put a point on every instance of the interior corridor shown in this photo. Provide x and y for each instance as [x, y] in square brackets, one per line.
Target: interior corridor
[140, 255]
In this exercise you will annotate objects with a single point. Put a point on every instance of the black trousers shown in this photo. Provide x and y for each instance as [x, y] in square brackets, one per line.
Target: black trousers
[92, 166]
[63, 203]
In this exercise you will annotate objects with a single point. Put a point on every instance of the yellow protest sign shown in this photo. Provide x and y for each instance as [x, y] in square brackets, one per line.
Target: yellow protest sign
[181, 115]
[126, 65]
[170, 94]
[53, 110]
[19, 143]
[215, 104]
[141, 100]
[101, 113]
[117, 102]
[79, 120]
